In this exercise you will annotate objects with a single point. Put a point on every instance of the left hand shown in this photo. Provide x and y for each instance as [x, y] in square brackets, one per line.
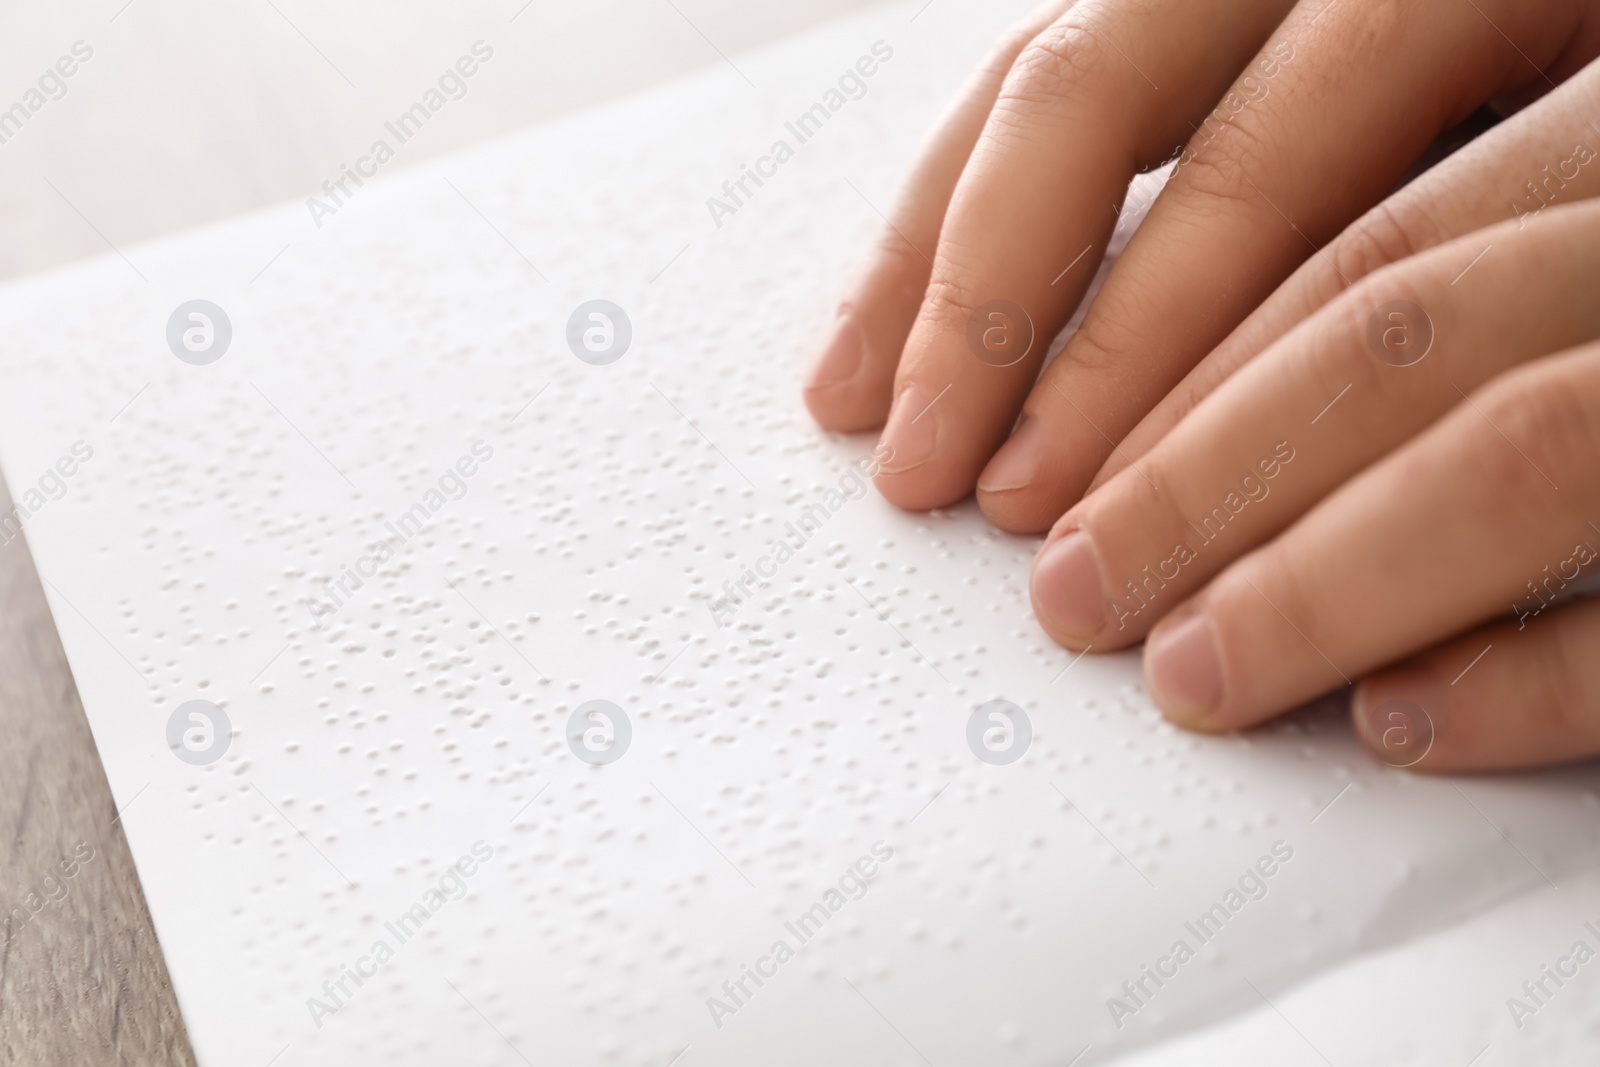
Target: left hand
[1387, 496]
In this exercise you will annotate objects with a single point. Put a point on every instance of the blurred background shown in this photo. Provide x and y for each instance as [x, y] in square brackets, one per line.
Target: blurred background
[190, 111]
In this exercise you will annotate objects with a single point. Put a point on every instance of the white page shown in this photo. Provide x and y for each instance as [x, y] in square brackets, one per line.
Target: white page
[430, 712]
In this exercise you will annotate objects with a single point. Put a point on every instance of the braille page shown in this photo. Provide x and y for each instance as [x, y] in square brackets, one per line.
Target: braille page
[493, 663]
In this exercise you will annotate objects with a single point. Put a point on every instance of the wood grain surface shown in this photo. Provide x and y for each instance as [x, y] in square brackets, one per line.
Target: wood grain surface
[82, 980]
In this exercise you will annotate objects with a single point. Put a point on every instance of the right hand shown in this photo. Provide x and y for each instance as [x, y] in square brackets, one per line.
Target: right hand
[1324, 105]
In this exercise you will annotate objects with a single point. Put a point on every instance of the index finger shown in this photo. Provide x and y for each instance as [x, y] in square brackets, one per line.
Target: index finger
[1105, 90]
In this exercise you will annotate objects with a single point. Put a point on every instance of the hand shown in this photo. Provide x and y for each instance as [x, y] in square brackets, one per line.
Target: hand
[1297, 117]
[1400, 491]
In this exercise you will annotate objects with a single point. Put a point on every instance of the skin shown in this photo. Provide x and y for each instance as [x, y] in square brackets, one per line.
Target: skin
[1239, 456]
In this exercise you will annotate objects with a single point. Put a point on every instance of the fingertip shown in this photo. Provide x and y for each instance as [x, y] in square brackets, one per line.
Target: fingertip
[910, 492]
[839, 409]
[1027, 510]
[1067, 589]
[1032, 481]
[1016, 465]
[1184, 674]
[844, 390]
[1402, 716]
[841, 356]
[911, 476]
[1196, 724]
[1008, 486]
[1016, 511]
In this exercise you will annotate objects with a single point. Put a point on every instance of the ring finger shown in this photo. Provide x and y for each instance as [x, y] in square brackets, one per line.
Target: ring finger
[1515, 694]
[1439, 536]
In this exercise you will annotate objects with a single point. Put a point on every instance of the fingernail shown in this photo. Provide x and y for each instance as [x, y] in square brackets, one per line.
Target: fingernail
[1399, 714]
[1067, 592]
[912, 431]
[1017, 462]
[842, 358]
[1184, 667]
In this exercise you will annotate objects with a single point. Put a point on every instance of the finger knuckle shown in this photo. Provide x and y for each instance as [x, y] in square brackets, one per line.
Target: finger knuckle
[1062, 60]
[1003, 56]
[1351, 358]
[951, 298]
[896, 252]
[1536, 428]
[1395, 230]
[1103, 343]
[1221, 169]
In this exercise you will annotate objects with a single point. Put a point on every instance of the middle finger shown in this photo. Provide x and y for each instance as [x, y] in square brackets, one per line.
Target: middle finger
[1367, 86]
[1330, 397]
[1029, 220]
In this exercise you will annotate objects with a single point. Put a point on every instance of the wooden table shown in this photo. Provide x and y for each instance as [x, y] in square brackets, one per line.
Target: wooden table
[82, 980]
